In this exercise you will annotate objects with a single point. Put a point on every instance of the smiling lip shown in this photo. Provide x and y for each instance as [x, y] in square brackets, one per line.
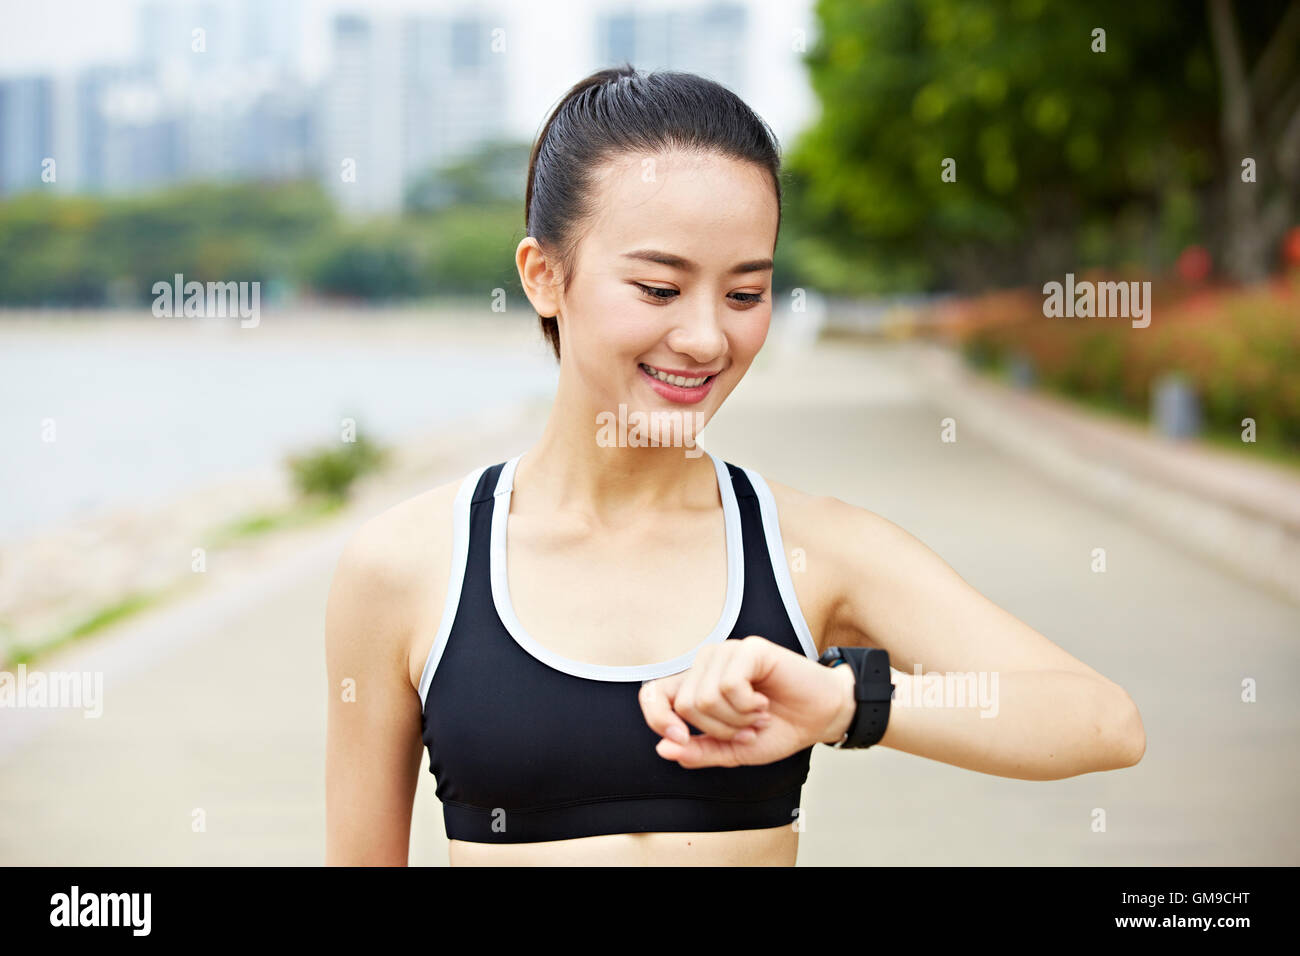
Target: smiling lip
[678, 393]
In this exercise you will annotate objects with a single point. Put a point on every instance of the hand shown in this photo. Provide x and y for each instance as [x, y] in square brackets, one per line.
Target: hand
[755, 702]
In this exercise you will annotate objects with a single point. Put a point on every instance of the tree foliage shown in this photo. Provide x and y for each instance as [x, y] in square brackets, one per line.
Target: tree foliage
[1065, 156]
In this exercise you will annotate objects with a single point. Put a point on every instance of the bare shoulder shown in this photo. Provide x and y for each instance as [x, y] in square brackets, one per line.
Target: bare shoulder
[813, 529]
[393, 549]
[824, 519]
[391, 578]
[847, 555]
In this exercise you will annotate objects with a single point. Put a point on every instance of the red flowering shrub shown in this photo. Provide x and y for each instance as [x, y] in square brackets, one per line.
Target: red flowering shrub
[1240, 348]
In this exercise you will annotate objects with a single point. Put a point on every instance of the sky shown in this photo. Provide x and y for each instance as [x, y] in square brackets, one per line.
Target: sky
[549, 44]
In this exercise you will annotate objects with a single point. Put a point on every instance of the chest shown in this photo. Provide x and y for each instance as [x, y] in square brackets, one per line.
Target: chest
[535, 711]
[625, 596]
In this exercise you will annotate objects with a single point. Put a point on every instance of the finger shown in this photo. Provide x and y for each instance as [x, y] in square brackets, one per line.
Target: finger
[656, 699]
[736, 682]
[730, 677]
[726, 690]
[700, 699]
[700, 751]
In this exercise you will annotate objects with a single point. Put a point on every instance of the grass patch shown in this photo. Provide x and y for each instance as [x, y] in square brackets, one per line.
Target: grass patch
[304, 512]
[323, 477]
[97, 620]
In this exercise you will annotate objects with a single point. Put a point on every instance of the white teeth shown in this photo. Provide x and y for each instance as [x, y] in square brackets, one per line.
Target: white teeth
[675, 379]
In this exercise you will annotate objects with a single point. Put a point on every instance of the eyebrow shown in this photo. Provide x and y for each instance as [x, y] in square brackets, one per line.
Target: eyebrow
[677, 262]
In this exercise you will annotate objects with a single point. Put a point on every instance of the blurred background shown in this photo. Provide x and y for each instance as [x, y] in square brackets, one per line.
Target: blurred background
[178, 481]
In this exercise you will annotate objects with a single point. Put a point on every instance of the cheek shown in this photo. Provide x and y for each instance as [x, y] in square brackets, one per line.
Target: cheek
[606, 331]
[614, 324]
[747, 336]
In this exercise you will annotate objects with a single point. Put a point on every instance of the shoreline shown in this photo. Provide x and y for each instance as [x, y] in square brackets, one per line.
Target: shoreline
[93, 564]
[454, 323]
[58, 580]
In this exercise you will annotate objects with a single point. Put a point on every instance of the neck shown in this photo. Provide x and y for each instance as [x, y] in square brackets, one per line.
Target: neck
[569, 469]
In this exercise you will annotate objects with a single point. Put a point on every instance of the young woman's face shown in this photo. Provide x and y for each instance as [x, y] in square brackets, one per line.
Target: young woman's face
[673, 277]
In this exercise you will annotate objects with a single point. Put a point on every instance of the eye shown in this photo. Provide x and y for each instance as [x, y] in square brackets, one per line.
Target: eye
[655, 292]
[662, 295]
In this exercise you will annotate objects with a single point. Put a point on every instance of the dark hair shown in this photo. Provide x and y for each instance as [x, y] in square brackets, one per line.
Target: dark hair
[623, 109]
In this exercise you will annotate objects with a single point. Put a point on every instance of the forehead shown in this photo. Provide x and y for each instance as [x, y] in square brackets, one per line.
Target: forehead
[706, 207]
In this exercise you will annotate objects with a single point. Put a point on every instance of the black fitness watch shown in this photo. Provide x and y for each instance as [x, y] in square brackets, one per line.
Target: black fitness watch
[872, 690]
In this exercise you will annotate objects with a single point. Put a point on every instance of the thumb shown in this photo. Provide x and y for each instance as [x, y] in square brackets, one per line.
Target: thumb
[656, 698]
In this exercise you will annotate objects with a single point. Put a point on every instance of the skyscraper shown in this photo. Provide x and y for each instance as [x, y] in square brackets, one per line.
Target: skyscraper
[362, 161]
[26, 131]
[404, 95]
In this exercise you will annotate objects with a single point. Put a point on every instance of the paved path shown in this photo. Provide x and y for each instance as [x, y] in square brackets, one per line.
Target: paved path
[219, 704]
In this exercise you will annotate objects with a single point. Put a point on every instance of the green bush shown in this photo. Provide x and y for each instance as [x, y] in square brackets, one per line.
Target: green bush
[329, 472]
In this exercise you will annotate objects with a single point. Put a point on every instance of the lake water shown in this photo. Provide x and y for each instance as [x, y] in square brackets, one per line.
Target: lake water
[142, 416]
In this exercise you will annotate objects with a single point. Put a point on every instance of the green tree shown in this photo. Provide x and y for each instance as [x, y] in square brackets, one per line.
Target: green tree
[72, 250]
[1065, 156]
[494, 173]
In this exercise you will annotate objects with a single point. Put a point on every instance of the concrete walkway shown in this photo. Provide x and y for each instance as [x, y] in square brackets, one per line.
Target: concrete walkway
[218, 705]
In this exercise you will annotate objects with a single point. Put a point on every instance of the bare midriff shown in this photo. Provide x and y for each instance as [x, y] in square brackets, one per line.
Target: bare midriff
[771, 846]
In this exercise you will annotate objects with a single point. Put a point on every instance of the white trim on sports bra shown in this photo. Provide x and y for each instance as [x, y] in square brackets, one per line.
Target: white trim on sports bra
[780, 568]
[459, 558]
[608, 672]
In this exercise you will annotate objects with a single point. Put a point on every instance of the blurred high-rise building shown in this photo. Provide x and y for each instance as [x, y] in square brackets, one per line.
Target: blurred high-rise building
[706, 40]
[216, 91]
[453, 89]
[105, 128]
[403, 95]
[112, 133]
[361, 119]
[197, 36]
[142, 136]
[228, 80]
[26, 131]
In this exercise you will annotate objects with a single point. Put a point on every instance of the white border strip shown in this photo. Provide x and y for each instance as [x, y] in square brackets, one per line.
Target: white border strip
[609, 672]
[780, 568]
[459, 558]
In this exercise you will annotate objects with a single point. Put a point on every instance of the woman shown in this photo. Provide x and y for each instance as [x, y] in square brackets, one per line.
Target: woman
[558, 682]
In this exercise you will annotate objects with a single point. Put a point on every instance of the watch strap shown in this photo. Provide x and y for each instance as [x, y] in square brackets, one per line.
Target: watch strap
[872, 690]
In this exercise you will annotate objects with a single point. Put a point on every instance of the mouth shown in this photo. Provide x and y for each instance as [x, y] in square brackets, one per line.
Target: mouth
[678, 387]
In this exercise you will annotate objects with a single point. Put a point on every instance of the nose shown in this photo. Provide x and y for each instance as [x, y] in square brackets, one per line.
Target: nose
[699, 332]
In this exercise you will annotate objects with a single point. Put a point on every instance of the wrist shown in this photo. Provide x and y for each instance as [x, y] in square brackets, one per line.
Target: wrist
[847, 704]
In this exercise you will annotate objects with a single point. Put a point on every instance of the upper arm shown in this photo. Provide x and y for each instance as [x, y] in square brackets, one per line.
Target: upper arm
[893, 591]
[373, 740]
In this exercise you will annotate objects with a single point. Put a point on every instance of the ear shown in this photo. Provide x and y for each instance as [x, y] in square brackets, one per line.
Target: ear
[540, 280]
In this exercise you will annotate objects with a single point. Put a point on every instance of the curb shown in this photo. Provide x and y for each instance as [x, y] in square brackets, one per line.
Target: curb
[1235, 514]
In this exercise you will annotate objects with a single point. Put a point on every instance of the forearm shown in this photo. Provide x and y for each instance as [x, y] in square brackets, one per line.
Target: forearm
[1031, 725]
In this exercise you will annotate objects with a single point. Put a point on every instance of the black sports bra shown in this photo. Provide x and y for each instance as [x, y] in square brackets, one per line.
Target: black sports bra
[529, 746]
